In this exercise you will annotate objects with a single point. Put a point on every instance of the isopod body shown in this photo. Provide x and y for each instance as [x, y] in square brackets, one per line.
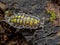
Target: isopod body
[22, 20]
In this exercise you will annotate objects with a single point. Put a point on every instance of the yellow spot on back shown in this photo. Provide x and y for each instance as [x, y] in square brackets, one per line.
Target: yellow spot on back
[27, 20]
[18, 20]
[31, 21]
[21, 21]
[18, 16]
[36, 21]
[13, 20]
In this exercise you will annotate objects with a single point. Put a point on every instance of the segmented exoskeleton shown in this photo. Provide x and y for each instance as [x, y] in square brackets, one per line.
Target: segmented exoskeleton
[22, 20]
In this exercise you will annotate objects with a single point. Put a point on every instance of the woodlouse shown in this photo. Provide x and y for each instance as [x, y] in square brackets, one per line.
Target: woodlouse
[22, 20]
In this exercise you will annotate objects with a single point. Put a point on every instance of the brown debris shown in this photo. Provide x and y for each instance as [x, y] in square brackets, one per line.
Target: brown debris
[2, 5]
[54, 8]
[58, 33]
[5, 37]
